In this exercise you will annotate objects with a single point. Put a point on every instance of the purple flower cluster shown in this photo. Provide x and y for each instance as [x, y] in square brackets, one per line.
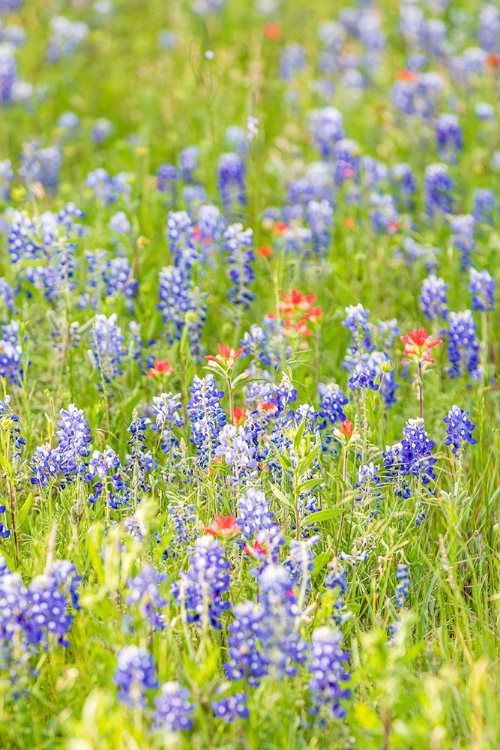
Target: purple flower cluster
[459, 429]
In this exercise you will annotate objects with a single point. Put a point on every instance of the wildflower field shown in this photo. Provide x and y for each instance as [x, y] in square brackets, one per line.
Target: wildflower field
[249, 410]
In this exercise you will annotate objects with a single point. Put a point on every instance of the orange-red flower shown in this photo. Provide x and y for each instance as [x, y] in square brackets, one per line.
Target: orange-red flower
[224, 527]
[297, 312]
[493, 60]
[418, 344]
[239, 415]
[265, 251]
[280, 226]
[347, 428]
[255, 550]
[407, 75]
[227, 355]
[162, 367]
[272, 31]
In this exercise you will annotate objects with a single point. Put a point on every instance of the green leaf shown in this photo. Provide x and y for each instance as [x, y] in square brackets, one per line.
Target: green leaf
[320, 561]
[309, 484]
[299, 435]
[23, 513]
[322, 515]
[308, 461]
[281, 496]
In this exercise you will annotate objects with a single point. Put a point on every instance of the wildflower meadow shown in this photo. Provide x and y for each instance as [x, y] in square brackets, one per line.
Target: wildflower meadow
[249, 407]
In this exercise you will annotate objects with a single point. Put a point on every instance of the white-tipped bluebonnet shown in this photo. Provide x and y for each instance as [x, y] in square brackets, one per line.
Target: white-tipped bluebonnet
[459, 429]
[236, 445]
[402, 586]
[292, 61]
[40, 166]
[439, 188]
[107, 347]
[8, 72]
[238, 246]
[180, 232]
[254, 513]
[48, 613]
[167, 409]
[463, 345]
[9, 424]
[482, 288]
[489, 27]
[485, 206]
[320, 217]
[336, 581]
[65, 36]
[189, 162]
[101, 130]
[484, 111]
[103, 470]
[364, 376]
[383, 213]
[449, 136]
[201, 590]
[108, 189]
[45, 465]
[347, 158]
[374, 172]
[403, 180]
[328, 674]
[74, 441]
[6, 178]
[167, 177]
[368, 484]
[206, 416]
[433, 299]
[120, 224]
[211, 225]
[134, 675]
[247, 635]
[410, 458]
[143, 591]
[231, 708]
[327, 128]
[331, 405]
[193, 197]
[173, 708]
[175, 301]
[462, 227]
[231, 182]
[11, 367]
[139, 459]
[68, 123]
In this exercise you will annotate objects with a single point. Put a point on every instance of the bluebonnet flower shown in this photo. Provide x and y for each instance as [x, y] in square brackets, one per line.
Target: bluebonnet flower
[336, 580]
[65, 37]
[107, 347]
[173, 708]
[363, 376]
[14, 647]
[300, 561]
[433, 299]
[118, 279]
[236, 139]
[231, 708]
[119, 223]
[320, 218]
[235, 444]
[9, 424]
[6, 178]
[167, 410]
[167, 177]
[139, 460]
[211, 225]
[368, 484]
[410, 458]
[104, 470]
[374, 172]
[484, 111]
[8, 72]
[462, 227]
[65, 574]
[238, 245]
[383, 215]
[328, 673]
[482, 288]
[180, 233]
[347, 158]
[107, 189]
[183, 519]
[48, 609]
[485, 205]
[206, 416]
[4, 532]
[449, 136]
[74, 441]
[439, 189]
[463, 345]
[254, 513]
[356, 321]
[292, 61]
[489, 27]
[200, 591]
[143, 590]
[11, 354]
[135, 674]
[246, 637]
[45, 465]
[101, 130]
[40, 166]
[193, 197]
[231, 181]
[189, 161]
[333, 399]
[403, 179]
[68, 123]
[459, 429]
[327, 128]
[402, 586]
[175, 301]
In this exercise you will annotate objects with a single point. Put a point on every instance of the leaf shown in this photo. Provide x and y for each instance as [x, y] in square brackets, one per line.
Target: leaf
[281, 496]
[308, 461]
[320, 561]
[309, 484]
[23, 513]
[322, 515]
[367, 718]
[299, 435]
